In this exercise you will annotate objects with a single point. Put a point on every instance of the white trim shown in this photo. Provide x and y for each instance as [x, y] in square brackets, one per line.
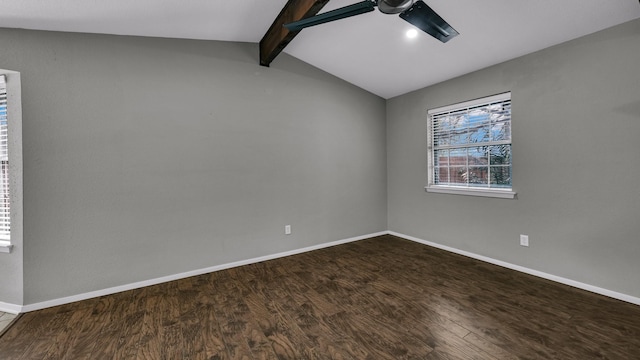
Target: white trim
[5, 246]
[471, 103]
[558, 279]
[15, 309]
[140, 284]
[486, 192]
[10, 308]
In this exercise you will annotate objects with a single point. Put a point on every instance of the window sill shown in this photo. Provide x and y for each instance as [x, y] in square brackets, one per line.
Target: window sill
[495, 193]
[5, 247]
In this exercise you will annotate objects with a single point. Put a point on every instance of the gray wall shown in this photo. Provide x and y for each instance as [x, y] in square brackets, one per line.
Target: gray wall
[576, 153]
[149, 157]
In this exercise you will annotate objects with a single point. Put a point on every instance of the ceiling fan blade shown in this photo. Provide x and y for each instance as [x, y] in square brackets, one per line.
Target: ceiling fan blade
[424, 18]
[337, 14]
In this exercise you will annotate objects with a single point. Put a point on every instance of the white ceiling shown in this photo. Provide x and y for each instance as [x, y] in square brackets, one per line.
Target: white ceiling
[368, 50]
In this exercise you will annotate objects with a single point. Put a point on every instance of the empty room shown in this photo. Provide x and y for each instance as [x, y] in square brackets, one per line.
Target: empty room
[315, 179]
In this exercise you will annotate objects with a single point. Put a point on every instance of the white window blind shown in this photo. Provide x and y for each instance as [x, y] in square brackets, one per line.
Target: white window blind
[5, 218]
[470, 145]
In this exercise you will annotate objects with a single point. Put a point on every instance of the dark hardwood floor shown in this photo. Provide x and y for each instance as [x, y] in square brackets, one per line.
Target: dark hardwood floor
[381, 298]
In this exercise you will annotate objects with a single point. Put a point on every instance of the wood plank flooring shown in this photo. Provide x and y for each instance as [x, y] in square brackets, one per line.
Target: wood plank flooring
[381, 298]
[6, 319]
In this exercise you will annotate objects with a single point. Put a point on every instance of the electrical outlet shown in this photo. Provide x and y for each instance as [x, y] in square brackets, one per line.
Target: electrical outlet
[524, 240]
[287, 229]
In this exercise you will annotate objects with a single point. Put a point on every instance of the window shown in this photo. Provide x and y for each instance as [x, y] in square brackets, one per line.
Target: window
[5, 218]
[469, 148]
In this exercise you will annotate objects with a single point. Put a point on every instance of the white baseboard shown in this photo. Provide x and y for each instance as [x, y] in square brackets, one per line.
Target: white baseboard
[10, 308]
[558, 279]
[140, 284]
[15, 309]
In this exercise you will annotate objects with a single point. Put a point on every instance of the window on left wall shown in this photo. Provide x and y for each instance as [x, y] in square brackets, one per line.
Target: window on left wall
[5, 209]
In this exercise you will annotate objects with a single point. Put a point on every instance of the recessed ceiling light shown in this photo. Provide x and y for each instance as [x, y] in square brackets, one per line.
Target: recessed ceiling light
[411, 33]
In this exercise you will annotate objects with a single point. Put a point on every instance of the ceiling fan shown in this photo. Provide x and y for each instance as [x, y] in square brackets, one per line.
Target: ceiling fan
[417, 13]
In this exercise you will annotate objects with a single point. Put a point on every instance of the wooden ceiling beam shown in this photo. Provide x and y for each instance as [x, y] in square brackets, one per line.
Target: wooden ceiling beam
[278, 37]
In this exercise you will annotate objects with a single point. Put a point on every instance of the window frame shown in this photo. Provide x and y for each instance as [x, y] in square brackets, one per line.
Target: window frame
[432, 187]
[5, 207]
[14, 145]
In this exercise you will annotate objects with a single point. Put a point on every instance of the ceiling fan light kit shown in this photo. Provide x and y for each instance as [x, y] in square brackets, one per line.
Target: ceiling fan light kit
[417, 13]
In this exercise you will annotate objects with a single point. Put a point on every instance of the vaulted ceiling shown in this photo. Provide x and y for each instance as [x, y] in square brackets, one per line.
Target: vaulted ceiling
[368, 50]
